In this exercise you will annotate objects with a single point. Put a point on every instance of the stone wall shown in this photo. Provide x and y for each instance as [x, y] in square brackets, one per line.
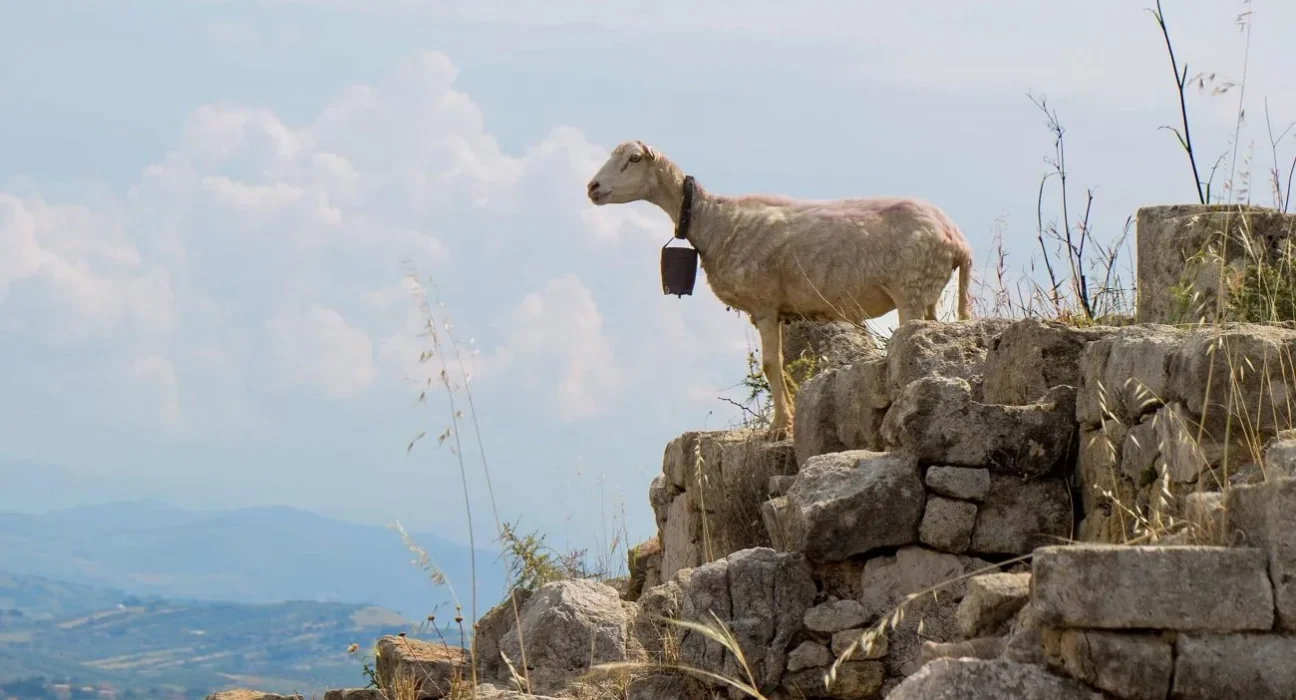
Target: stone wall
[898, 526]
[1184, 248]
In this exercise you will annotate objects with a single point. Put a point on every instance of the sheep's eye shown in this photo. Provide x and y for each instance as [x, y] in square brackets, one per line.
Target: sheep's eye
[636, 158]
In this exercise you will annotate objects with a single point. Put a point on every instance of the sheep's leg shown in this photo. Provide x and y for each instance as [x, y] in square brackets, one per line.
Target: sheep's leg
[931, 312]
[910, 312]
[771, 340]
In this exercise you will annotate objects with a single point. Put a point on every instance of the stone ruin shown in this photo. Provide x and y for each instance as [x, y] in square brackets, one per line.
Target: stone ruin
[1147, 469]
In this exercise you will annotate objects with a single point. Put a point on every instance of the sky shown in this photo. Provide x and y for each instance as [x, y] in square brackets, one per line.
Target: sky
[208, 209]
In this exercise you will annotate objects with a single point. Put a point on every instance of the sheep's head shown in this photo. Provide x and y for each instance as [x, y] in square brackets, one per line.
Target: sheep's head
[630, 174]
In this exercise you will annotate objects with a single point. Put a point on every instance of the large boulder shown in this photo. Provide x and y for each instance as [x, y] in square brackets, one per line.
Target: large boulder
[973, 679]
[1032, 356]
[567, 626]
[1126, 374]
[1152, 587]
[991, 602]
[887, 582]
[1019, 515]
[921, 349]
[842, 409]
[1182, 250]
[937, 420]
[849, 503]
[761, 596]
[709, 502]
[1130, 666]
[1264, 516]
[651, 629]
[491, 628]
[1208, 667]
[827, 345]
[431, 668]
[1213, 367]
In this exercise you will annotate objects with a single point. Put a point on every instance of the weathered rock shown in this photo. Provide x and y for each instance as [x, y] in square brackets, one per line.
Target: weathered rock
[491, 628]
[1140, 455]
[856, 680]
[814, 418]
[664, 685]
[567, 626]
[1025, 643]
[433, 668]
[887, 581]
[835, 616]
[1171, 588]
[1264, 516]
[860, 402]
[649, 628]
[725, 477]
[1101, 486]
[1209, 667]
[680, 458]
[779, 484]
[1125, 374]
[660, 496]
[827, 345]
[940, 349]
[1019, 516]
[1280, 456]
[968, 679]
[849, 503]
[842, 641]
[1253, 361]
[1129, 666]
[334, 694]
[808, 655]
[991, 602]
[969, 484]
[681, 537]
[1182, 453]
[1185, 244]
[1204, 513]
[762, 596]
[978, 648]
[947, 524]
[643, 561]
[1032, 356]
[841, 409]
[936, 420]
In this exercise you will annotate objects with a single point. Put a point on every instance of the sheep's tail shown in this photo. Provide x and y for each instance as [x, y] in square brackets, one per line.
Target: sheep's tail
[964, 287]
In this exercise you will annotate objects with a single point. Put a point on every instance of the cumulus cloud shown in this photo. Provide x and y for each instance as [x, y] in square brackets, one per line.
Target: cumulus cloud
[272, 251]
[557, 341]
[315, 346]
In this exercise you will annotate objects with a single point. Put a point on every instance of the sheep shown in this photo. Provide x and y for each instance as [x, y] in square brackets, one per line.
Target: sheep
[776, 257]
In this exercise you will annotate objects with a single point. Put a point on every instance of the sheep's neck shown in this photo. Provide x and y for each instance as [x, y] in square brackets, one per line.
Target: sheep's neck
[669, 197]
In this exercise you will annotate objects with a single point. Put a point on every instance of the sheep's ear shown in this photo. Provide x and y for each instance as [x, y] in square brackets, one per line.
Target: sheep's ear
[649, 152]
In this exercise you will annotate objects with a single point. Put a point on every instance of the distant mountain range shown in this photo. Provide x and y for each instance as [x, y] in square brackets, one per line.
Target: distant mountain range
[255, 555]
[54, 634]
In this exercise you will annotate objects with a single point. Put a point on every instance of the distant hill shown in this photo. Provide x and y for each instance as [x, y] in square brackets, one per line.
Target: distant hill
[36, 598]
[158, 647]
[255, 555]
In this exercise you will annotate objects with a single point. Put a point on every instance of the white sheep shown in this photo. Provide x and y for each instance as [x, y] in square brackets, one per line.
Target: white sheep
[776, 257]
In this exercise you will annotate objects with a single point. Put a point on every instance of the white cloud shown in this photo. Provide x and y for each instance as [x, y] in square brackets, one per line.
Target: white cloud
[316, 346]
[556, 341]
[257, 241]
[159, 371]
